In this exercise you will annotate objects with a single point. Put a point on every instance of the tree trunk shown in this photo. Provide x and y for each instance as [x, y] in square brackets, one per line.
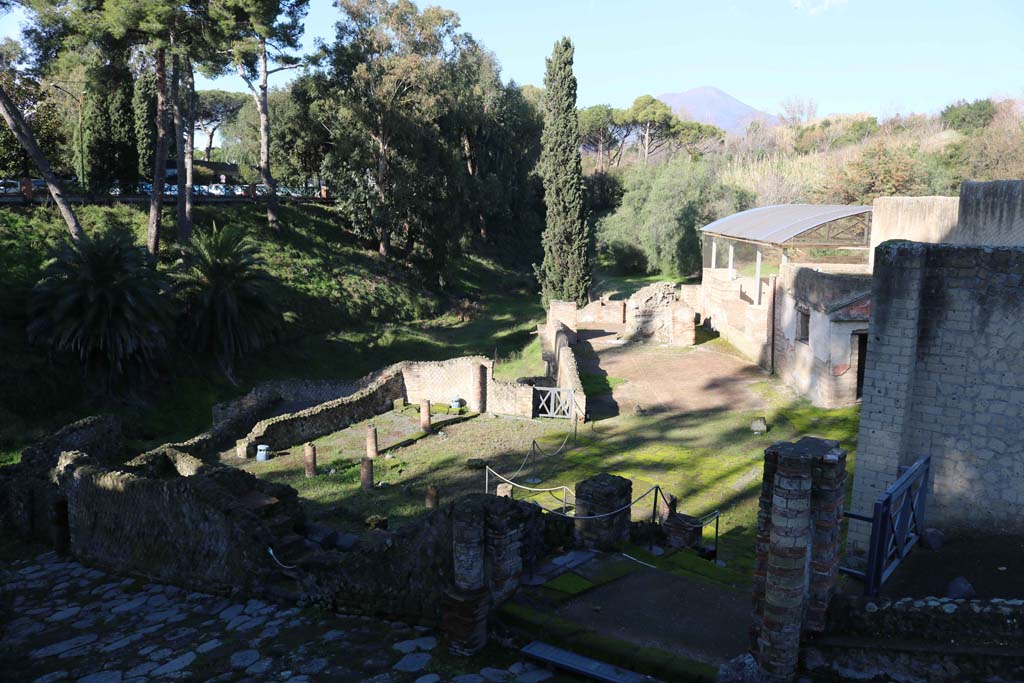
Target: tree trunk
[27, 140]
[179, 143]
[190, 148]
[263, 108]
[382, 174]
[209, 141]
[600, 154]
[156, 198]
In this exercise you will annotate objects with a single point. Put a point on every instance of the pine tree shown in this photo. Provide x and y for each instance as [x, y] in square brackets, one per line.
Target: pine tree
[565, 271]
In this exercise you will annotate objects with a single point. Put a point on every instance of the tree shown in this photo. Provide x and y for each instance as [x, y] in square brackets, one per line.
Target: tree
[651, 121]
[969, 117]
[388, 79]
[214, 108]
[101, 300]
[27, 139]
[600, 132]
[144, 112]
[227, 306]
[261, 33]
[798, 110]
[565, 272]
[696, 138]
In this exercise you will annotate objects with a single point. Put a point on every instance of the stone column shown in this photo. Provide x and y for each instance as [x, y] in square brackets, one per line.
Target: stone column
[366, 474]
[425, 416]
[762, 542]
[477, 401]
[432, 497]
[599, 495]
[371, 442]
[786, 573]
[464, 620]
[310, 460]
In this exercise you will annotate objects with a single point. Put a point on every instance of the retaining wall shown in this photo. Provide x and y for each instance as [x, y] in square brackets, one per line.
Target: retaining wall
[568, 377]
[921, 219]
[944, 377]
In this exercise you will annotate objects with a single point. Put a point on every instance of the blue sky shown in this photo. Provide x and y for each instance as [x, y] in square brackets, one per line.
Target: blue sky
[879, 56]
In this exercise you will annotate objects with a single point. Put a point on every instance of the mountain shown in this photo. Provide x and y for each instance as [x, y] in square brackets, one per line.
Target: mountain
[711, 105]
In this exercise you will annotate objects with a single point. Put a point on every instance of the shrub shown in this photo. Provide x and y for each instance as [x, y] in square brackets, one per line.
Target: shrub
[227, 307]
[968, 118]
[101, 299]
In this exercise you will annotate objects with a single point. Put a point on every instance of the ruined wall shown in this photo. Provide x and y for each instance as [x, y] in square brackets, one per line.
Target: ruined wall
[405, 573]
[951, 640]
[991, 213]
[726, 306]
[267, 395]
[441, 381]
[602, 313]
[305, 425]
[509, 398]
[919, 219]
[943, 378]
[568, 377]
[824, 367]
[204, 527]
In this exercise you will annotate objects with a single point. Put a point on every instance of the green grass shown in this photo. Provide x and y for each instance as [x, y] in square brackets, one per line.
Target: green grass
[570, 583]
[525, 363]
[347, 311]
[595, 384]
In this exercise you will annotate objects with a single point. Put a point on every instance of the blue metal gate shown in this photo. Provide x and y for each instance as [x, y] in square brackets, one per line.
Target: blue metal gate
[896, 526]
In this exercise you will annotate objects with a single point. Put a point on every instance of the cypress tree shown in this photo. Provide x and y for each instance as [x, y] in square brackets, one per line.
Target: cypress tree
[565, 272]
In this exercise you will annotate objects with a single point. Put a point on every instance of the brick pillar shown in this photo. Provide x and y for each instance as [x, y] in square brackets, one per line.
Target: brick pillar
[786, 573]
[598, 495]
[504, 559]
[763, 541]
[477, 401]
[310, 459]
[425, 416]
[828, 493]
[371, 442]
[464, 619]
[366, 474]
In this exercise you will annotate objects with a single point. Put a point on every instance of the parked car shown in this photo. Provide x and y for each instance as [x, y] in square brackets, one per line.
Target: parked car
[10, 187]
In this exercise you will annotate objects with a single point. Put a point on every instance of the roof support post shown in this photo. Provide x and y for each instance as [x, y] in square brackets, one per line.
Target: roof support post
[757, 278]
[714, 253]
[732, 273]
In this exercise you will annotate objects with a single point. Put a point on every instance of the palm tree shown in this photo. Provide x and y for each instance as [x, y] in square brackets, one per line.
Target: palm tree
[227, 307]
[100, 298]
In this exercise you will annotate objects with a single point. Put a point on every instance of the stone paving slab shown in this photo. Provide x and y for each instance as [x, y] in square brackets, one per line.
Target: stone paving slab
[63, 621]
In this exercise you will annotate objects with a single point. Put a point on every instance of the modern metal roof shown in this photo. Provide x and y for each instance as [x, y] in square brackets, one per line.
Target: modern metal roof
[780, 223]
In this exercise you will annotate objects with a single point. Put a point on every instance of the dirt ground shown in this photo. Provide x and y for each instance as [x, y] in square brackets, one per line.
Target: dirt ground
[661, 379]
[994, 565]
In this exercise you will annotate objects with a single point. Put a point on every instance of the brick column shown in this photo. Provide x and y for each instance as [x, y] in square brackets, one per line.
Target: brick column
[464, 619]
[504, 559]
[828, 492]
[599, 495]
[786, 573]
[310, 460]
[762, 541]
[366, 474]
[433, 496]
[477, 401]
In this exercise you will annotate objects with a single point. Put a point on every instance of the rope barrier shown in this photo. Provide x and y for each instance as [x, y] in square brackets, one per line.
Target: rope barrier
[607, 514]
[280, 564]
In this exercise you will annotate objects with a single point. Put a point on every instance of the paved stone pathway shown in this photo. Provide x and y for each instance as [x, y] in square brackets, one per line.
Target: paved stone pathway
[63, 621]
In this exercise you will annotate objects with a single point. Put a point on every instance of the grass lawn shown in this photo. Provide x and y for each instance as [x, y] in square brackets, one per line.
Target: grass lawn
[708, 460]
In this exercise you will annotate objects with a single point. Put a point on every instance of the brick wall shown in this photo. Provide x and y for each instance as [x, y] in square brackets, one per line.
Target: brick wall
[509, 398]
[944, 379]
[568, 377]
[442, 381]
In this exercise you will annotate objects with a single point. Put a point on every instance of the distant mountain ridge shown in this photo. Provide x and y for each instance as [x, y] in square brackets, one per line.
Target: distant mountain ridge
[711, 105]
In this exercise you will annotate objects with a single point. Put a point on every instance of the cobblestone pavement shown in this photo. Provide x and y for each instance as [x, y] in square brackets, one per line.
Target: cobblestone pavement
[62, 621]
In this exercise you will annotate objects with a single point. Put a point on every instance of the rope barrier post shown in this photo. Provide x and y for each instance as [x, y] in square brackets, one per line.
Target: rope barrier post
[716, 536]
[654, 516]
[487, 479]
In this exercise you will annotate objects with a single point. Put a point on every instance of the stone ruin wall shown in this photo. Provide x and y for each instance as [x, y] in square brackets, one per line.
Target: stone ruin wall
[919, 219]
[568, 377]
[824, 368]
[167, 517]
[469, 378]
[944, 378]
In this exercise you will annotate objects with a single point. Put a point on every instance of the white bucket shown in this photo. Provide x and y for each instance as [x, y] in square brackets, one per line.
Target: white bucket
[262, 453]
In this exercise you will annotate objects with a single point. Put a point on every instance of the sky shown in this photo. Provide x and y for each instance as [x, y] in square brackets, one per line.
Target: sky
[877, 56]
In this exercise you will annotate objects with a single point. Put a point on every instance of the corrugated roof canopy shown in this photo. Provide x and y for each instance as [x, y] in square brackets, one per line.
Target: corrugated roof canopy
[780, 223]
